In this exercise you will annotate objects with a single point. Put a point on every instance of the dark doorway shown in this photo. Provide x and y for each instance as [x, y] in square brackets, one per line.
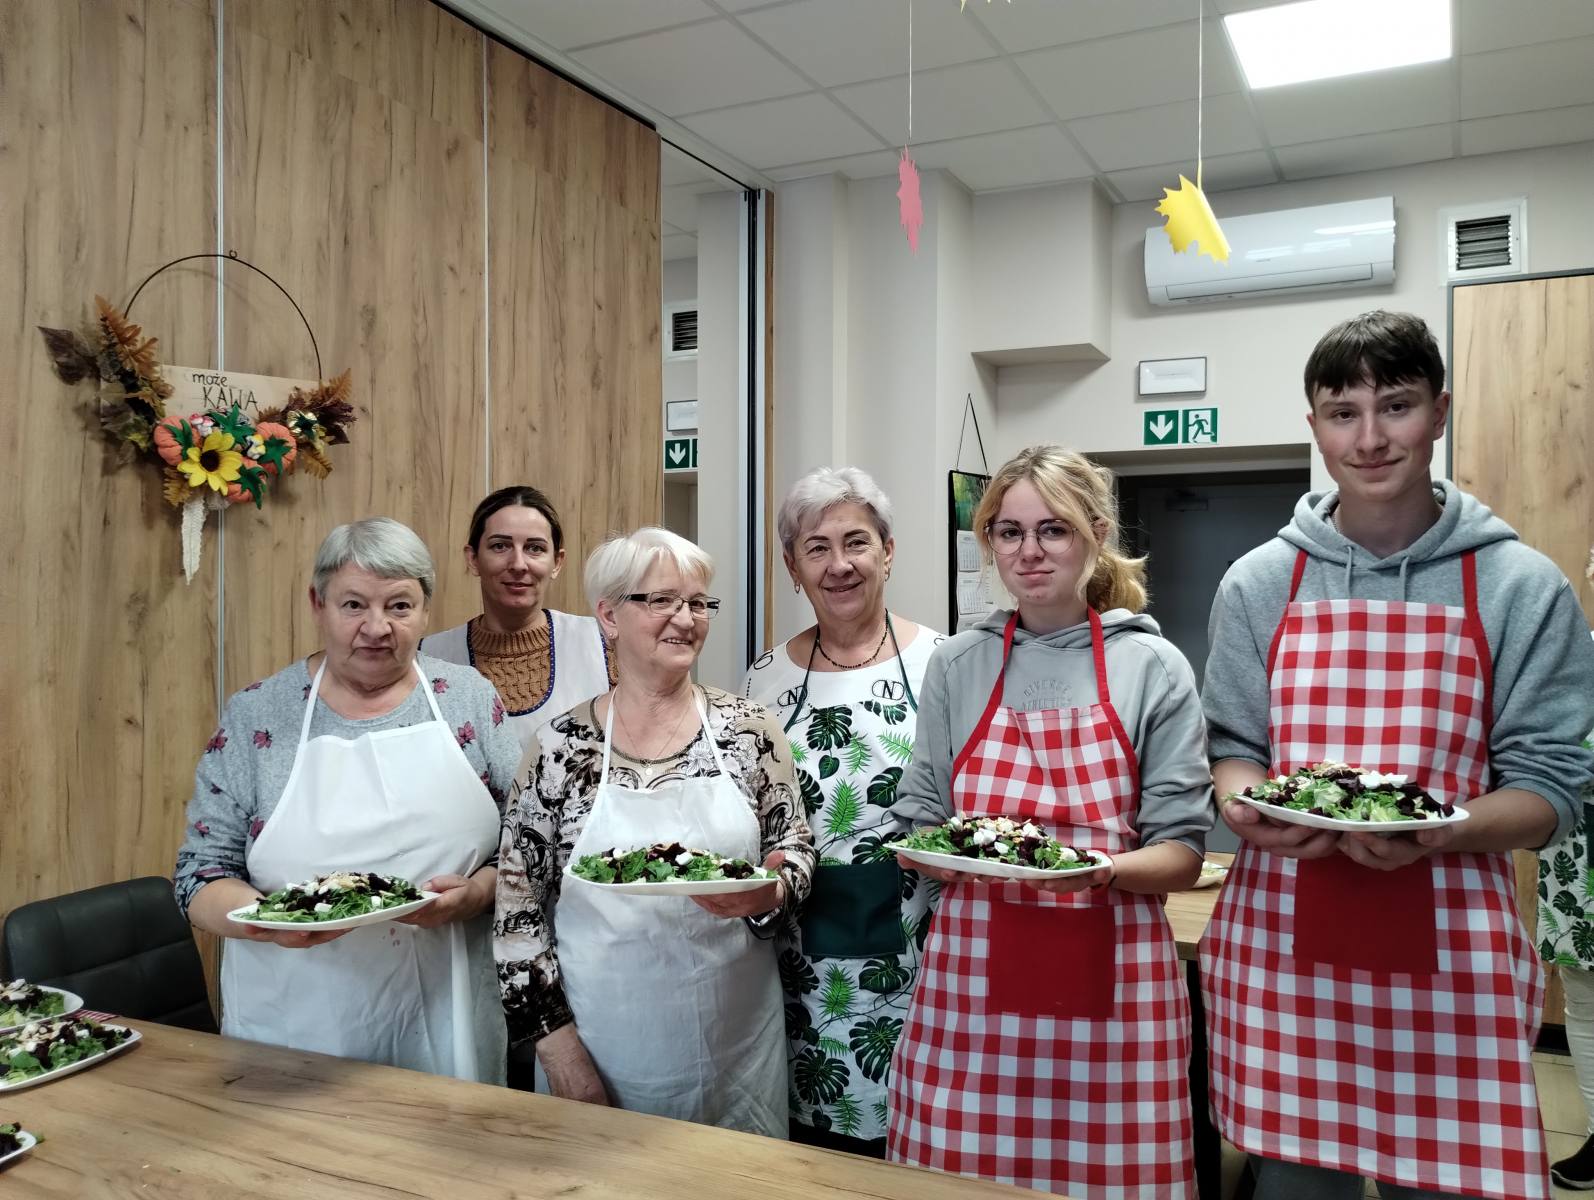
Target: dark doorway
[1192, 527]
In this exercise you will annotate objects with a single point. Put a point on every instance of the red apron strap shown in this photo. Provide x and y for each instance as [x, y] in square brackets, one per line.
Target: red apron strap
[1098, 652]
[993, 703]
[1480, 640]
[1295, 586]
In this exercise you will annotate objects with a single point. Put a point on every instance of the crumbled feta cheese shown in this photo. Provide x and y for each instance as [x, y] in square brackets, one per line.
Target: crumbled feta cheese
[1002, 847]
[956, 822]
[984, 837]
[1067, 855]
[1031, 829]
[323, 907]
[684, 857]
[1374, 780]
[376, 902]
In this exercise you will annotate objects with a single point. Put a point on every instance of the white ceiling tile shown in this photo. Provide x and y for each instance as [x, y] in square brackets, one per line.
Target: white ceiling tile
[1167, 133]
[678, 245]
[1548, 75]
[950, 103]
[1370, 103]
[796, 129]
[1370, 152]
[1017, 158]
[1029, 25]
[1520, 131]
[855, 166]
[845, 41]
[679, 208]
[1497, 24]
[1229, 6]
[1135, 71]
[686, 70]
[1224, 174]
[744, 5]
[562, 24]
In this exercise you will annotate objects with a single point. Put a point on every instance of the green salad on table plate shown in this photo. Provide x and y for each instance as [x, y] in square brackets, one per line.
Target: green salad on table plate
[57, 1047]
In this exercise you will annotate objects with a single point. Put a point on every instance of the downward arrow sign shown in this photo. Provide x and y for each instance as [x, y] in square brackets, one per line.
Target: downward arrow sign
[676, 453]
[1161, 427]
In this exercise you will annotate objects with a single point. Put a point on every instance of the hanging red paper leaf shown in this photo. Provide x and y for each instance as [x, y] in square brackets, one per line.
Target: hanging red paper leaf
[910, 203]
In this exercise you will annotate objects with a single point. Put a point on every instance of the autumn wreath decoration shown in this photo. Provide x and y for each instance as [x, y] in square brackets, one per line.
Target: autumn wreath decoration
[208, 459]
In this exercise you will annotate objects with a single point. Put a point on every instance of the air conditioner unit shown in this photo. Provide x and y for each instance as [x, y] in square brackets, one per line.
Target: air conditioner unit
[1327, 246]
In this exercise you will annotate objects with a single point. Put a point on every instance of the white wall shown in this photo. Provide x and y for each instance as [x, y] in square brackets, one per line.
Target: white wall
[1256, 351]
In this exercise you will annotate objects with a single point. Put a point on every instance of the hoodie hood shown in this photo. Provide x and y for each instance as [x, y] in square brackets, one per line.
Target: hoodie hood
[1464, 524]
[1114, 623]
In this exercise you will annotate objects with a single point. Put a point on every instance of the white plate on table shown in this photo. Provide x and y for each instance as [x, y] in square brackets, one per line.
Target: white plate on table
[996, 870]
[245, 916]
[1211, 875]
[83, 1064]
[1291, 816]
[28, 1143]
[687, 887]
[73, 1003]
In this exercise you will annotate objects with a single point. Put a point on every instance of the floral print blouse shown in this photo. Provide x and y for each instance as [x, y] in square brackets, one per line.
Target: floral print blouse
[246, 763]
[555, 790]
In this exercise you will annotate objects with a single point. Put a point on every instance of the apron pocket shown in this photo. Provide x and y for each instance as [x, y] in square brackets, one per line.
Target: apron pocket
[855, 912]
[1053, 960]
[1348, 915]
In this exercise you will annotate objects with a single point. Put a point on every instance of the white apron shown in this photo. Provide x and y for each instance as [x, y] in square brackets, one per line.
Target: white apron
[680, 1010]
[403, 802]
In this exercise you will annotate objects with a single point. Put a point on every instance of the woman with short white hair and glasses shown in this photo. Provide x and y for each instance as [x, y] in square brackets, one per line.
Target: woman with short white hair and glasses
[660, 1004]
[846, 690]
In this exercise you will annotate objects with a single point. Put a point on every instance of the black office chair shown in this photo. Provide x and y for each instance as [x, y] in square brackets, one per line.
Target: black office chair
[125, 948]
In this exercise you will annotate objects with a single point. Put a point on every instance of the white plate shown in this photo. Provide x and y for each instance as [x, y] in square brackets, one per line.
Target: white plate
[28, 1143]
[243, 917]
[80, 1065]
[1211, 878]
[1291, 817]
[996, 870]
[73, 1003]
[685, 887]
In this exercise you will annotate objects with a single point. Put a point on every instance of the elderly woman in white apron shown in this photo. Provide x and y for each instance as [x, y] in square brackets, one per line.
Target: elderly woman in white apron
[659, 1004]
[365, 756]
[541, 661]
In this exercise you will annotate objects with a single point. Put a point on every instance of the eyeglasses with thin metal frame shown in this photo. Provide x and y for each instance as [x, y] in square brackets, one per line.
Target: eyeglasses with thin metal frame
[667, 604]
[1007, 538]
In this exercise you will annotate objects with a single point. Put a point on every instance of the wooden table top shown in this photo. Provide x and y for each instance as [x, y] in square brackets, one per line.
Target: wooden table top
[1189, 912]
[193, 1116]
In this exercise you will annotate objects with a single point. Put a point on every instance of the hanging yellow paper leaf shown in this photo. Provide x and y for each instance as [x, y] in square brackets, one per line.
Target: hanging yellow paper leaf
[1190, 219]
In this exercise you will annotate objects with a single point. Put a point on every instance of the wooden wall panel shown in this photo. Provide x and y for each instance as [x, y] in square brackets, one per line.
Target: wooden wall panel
[106, 171]
[577, 367]
[370, 213]
[1523, 436]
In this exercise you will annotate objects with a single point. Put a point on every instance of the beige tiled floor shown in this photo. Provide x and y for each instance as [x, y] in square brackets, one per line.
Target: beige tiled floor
[1560, 1102]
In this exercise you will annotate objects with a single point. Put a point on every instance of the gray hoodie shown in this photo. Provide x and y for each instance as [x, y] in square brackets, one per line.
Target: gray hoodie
[1153, 691]
[1537, 634]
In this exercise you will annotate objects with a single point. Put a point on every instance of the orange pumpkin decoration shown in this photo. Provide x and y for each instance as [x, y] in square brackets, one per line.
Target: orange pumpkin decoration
[165, 435]
[269, 430]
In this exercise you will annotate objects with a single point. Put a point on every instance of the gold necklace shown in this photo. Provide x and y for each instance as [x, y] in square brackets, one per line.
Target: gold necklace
[646, 760]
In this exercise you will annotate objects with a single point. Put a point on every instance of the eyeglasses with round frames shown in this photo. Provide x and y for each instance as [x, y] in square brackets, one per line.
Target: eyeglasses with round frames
[667, 604]
[1008, 538]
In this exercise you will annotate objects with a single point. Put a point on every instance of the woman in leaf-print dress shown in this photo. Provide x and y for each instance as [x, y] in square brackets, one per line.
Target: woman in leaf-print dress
[846, 690]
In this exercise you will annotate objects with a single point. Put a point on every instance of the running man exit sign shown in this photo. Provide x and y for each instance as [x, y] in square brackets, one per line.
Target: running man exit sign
[1180, 427]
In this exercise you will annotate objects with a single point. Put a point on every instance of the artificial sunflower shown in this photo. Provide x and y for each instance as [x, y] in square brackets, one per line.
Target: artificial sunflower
[213, 462]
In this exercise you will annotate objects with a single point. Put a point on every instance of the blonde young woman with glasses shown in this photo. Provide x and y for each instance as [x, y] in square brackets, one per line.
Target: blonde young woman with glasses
[1049, 1036]
[658, 1004]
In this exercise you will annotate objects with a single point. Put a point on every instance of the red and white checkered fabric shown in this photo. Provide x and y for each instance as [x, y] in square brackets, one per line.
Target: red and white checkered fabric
[1095, 1108]
[1423, 1080]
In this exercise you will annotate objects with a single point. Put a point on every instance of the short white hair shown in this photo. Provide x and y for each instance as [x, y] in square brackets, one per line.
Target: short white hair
[618, 567]
[387, 548]
[821, 490]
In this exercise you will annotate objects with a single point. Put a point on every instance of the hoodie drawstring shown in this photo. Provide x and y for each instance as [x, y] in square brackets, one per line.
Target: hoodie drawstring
[1405, 562]
[1350, 565]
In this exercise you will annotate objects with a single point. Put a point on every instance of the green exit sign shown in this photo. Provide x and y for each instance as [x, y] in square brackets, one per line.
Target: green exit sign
[1179, 427]
[680, 454]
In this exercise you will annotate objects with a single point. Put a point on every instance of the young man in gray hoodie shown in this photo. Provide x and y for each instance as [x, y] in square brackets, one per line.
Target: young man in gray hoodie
[1372, 999]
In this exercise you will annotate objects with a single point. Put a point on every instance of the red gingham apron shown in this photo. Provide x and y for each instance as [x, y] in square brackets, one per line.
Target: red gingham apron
[1048, 1040]
[1380, 1023]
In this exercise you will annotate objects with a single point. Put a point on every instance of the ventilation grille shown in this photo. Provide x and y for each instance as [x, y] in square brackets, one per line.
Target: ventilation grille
[681, 323]
[1485, 239]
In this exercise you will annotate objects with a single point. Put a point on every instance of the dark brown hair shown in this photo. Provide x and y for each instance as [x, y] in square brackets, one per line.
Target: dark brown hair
[1378, 348]
[524, 496]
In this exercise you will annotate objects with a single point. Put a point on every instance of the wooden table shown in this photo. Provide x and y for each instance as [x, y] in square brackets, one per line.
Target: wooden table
[192, 1115]
[1189, 912]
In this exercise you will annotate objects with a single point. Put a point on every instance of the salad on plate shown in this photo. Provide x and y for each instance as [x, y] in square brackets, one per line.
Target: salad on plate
[1337, 792]
[22, 1002]
[46, 1046]
[663, 862]
[335, 897]
[10, 1142]
[1008, 841]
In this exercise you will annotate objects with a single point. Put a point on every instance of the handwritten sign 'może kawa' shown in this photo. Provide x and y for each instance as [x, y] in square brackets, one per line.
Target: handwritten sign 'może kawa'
[203, 389]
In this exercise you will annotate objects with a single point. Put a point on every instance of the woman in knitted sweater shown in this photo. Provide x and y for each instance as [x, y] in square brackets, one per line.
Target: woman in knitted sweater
[541, 661]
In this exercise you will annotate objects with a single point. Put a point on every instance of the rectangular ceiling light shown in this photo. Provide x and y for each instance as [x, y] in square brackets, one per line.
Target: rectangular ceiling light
[1323, 39]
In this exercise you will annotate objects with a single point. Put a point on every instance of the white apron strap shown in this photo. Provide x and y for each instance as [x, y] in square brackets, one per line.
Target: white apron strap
[309, 703]
[702, 716]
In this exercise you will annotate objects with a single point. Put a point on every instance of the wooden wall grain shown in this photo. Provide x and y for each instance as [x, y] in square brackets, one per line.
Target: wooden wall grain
[423, 192]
